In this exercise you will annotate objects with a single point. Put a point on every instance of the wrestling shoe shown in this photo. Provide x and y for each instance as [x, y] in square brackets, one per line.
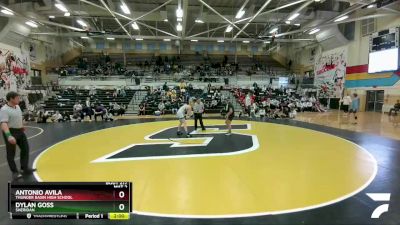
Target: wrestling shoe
[28, 171]
[16, 175]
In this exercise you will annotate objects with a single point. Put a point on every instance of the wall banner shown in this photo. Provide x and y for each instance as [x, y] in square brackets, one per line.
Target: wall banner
[330, 71]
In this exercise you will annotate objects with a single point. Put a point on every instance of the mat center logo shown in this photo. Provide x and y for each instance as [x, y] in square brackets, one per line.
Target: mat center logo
[213, 142]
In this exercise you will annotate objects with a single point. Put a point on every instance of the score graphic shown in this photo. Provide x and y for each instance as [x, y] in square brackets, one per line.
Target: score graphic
[107, 200]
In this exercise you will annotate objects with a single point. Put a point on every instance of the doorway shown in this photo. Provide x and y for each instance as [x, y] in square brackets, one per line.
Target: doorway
[375, 101]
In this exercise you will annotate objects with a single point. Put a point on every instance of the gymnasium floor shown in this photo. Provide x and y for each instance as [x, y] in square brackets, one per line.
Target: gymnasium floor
[267, 172]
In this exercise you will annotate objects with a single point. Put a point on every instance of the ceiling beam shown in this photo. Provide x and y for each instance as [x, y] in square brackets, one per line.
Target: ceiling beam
[128, 18]
[185, 5]
[331, 24]
[116, 19]
[273, 10]
[44, 21]
[245, 19]
[223, 17]
[145, 14]
[209, 30]
[205, 39]
[251, 19]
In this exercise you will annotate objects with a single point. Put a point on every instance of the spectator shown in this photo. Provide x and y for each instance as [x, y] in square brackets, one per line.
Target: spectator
[108, 116]
[77, 110]
[42, 116]
[161, 107]
[165, 87]
[142, 110]
[122, 93]
[395, 108]
[247, 103]
[99, 111]
[57, 117]
[355, 106]
[346, 101]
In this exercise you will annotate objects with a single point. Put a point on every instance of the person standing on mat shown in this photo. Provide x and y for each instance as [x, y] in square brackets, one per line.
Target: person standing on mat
[247, 103]
[13, 133]
[355, 106]
[198, 110]
[230, 113]
[184, 111]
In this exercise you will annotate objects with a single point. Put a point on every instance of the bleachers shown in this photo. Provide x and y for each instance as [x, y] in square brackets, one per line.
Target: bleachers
[65, 100]
[151, 101]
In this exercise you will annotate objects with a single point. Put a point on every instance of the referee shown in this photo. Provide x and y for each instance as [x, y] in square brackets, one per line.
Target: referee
[13, 133]
[198, 110]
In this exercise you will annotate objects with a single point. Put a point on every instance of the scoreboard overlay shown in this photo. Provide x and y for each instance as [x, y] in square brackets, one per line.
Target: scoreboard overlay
[70, 200]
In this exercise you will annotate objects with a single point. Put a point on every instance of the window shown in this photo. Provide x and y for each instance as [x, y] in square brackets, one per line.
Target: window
[368, 26]
[36, 73]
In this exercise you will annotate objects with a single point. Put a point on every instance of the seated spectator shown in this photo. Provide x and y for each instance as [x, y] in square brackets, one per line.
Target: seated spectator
[214, 103]
[165, 87]
[318, 107]
[253, 109]
[92, 92]
[29, 116]
[161, 108]
[57, 117]
[77, 110]
[117, 109]
[293, 114]
[122, 93]
[99, 111]
[42, 116]
[182, 85]
[108, 116]
[142, 110]
[395, 108]
[262, 112]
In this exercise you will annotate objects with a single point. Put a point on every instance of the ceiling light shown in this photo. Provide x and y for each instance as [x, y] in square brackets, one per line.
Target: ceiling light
[314, 31]
[240, 14]
[7, 12]
[82, 23]
[317, 0]
[52, 17]
[220, 41]
[61, 7]
[297, 24]
[179, 19]
[167, 39]
[111, 38]
[67, 14]
[135, 26]
[229, 29]
[341, 18]
[194, 40]
[179, 12]
[371, 6]
[273, 30]
[165, 20]
[125, 8]
[267, 42]
[31, 23]
[287, 22]
[199, 21]
[139, 39]
[179, 27]
[292, 17]
[246, 42]
[85, 37]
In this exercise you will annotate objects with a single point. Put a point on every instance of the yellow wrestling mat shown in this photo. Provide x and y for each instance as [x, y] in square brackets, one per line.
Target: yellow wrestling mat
[287, 169]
